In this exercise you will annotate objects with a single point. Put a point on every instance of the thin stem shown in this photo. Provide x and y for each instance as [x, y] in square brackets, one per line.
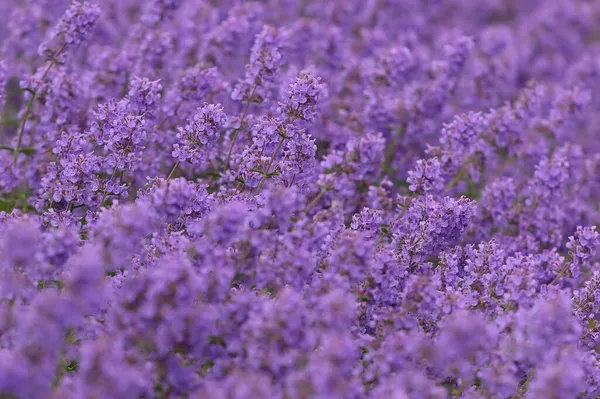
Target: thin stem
[380, 239]
[237, 131]
[457, 178]
[105, 191]
[561, 272]
[391, 150]
[266, 173]
[556, 279]
[316, 200]
[290, 120]
[161, 124]
[31, 132]
[173, 170]
[212, 165]
[461, 389]
[166, 192]
[30, 105]
[523, 388]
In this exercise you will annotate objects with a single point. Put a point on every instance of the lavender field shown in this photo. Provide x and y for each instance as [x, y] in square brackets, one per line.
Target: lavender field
[299, 199]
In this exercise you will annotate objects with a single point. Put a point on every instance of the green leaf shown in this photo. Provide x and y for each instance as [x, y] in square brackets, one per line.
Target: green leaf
[259, 171]
[216, 340]
[7, 205]
[181, 351]
[26, 150]
[238, 277]
[207, 174]
[71, 337]
[207, 365]
[72, 366]
[364, 298]
[591, 324]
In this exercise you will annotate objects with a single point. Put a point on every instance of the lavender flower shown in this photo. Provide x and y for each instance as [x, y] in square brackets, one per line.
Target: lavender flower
[144, 97]
[199, 135]
[156, 11]
[121, 133]
[582, 246]
[265, 60]
[344, 200]
[426, 176]
[77, 23]
[301, 97]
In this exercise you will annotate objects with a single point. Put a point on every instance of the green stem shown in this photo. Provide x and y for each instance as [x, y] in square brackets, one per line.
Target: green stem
[266, 173]
[31, 132]
[168, 177]
[173, 170]
[561, 272]
[105, 192]
[30, 105]
[391, 150]
[290, 120]
[555, 279]
[316, 200]
[523, 388]
[237, 131]
[166, 118]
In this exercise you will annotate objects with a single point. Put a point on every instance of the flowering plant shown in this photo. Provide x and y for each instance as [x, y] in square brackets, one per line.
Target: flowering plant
[299, 199]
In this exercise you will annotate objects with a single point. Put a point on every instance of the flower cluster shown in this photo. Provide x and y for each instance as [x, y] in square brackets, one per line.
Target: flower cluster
[200, 134]
[77, 22]
[299, 199]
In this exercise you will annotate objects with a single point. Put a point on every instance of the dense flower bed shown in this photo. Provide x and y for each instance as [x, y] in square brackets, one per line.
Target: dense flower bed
[299, 199]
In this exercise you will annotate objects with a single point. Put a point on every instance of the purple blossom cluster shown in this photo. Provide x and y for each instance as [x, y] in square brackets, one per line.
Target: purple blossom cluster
[299, 199]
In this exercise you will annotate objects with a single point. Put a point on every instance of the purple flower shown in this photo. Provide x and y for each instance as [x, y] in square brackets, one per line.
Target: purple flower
[77, 23]
[199, 135]
[265, 61]
[582, 246]
[426, 176]
[299, 199]
[302, 97]
[144, 97]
